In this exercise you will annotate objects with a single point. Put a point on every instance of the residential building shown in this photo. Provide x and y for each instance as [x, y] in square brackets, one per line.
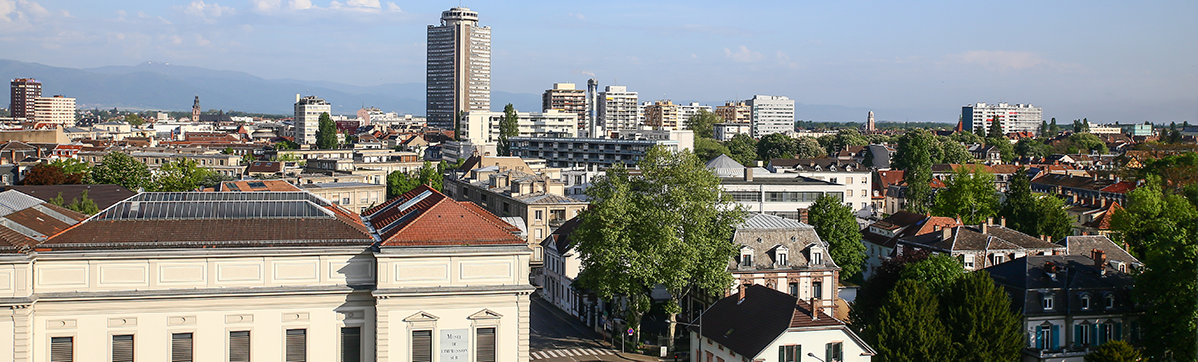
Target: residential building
[1012, 117]
[787, 256]
[353, 196]
[771, 114]
[662, 115]
[565, 98]
[627, 147]
[57, 110]
[882, 181]
[1097, 221]
[483, 127]
[986, 153]
[23, 95]
[307, 118]
[1070, 304]
[562, 266]
[858, 180]
[685, 111]
[459, 67]
[979, 246]
[785, 195]
[881, 236]
[1096, 192]
[735, 112]
[618, 110]
[234, 276]
[761, 324]
[725, 131]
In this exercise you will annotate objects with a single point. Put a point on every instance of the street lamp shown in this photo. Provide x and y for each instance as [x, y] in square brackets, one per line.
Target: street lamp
[812, 355]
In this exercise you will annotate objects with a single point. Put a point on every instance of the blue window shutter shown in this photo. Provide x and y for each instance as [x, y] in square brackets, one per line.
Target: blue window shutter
[1056, 337]
[1094, 335]
[1039, 337]
[1119, 331]
[1077, 335]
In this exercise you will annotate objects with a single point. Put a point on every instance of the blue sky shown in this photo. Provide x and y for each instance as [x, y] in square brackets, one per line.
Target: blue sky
[1104, 60]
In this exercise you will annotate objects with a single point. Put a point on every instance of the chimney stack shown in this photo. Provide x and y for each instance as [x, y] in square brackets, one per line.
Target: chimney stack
[946, 233]
[743, 288]
[1099, 257]
[1003, 221]
[985, 228]
[814, 309]
[748, 174]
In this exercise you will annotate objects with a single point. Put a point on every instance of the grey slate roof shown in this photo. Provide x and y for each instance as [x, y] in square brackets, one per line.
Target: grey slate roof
[1029, 279]
[1083, 244]
[767, 234]
[971, 238]
[12, 201]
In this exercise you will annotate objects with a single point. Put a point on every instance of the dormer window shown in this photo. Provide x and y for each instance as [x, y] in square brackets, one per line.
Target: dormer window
[780, 254]
[746, 257]
[817, 258]
[1110, 301]
[1085, 301]
[1046, 301]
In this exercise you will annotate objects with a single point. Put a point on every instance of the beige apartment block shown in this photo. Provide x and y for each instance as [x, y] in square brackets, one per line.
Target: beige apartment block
[56, 110]
[268, 276]
[735, 112]
[662, 115]
[354, 196]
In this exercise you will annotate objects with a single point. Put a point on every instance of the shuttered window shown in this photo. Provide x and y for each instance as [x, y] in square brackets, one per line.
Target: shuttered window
[422, 346]
[351, 344]
[485, 352]
[182, 347]
[122, 348]
[239, 346]
[62, 349]
[297, 345]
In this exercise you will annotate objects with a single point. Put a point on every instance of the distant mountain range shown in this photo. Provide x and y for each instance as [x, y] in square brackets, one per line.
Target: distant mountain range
[160, 86]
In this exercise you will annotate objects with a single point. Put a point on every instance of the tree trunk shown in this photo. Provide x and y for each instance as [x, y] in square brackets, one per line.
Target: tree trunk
[673, 318]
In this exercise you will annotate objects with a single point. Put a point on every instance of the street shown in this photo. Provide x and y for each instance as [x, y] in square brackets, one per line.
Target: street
[559, 337]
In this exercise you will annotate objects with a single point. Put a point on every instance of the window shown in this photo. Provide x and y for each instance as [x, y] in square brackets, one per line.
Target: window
[864, 181]
[485, 339]
[1110, 300]
[345, 201]
[848, 180]
[998, 259]
[540, 215]
[1085, 301]
[834, 351]
[817, 258]
[62, 349]
[967, 260]
[746, 260]
[1046, 302]
[817, 290]
[1082, 334]
[781, 258]
[789, 353]
[422, 346]
[297, 345]
[794, 289]
[122, 348]
[849, 193]
[239, 346]
[182, 347]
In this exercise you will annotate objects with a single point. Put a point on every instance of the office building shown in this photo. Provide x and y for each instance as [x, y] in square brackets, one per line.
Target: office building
[685, 111]
[1134, 130]
[1012, 117]
[307, 117]
[771, 114]
[735, 112]
[618, 109]
[459, 67]
[626, 147]
[483, 127]
[779, 194]
[662, 115]
[24, 93]
[56, 110]
[565, 98]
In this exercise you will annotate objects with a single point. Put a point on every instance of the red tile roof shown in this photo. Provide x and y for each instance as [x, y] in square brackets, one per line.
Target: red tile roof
[435, 219]
[266, 185]
[1121, 187]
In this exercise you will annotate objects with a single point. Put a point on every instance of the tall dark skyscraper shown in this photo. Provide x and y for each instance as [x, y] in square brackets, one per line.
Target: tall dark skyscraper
[459, 67]
[24, 92]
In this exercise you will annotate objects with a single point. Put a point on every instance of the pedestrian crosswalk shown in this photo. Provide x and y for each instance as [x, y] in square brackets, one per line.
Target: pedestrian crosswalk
[573, 352]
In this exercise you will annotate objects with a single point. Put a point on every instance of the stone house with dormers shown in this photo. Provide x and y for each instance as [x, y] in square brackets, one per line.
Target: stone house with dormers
[980, 246]
[881, 236]
[785, 255]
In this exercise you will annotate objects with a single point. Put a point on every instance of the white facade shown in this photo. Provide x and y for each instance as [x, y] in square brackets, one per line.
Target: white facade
[57, 110]
[459, 67]
[779, 194]
[772, 114]
[857, 182]
[483, 127]
[725, 131]
[1012, 117]
[618, 109]
[307, 118]
[685, 111]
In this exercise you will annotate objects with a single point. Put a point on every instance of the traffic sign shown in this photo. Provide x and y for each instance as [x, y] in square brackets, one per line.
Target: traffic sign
[630, 331]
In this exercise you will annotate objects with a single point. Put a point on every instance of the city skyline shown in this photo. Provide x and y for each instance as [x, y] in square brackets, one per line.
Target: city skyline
[1106, 61]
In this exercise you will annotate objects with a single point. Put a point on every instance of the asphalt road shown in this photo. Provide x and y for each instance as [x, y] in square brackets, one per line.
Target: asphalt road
[559, 337]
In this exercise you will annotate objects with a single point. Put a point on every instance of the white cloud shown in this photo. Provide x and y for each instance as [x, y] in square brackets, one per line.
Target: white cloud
[393, 8]
[175, 39]
[300, 5]
[578, 16]
[373, 4]
[20, 11]
[202, 10]
[266, 5]
[743, 54]
[1002, 60]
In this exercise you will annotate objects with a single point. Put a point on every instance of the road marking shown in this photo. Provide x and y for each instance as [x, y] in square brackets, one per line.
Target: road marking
[572, 352]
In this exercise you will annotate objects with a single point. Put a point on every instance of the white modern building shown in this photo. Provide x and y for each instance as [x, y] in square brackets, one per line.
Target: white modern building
[307, 117]
[56, 110]
[772, 114]
[857, 179]
[618, 109]
[483, 127]
[685, 111]
[725, 131]
[1012, 117]
[565, 97]
[458, 67]
[626, 147]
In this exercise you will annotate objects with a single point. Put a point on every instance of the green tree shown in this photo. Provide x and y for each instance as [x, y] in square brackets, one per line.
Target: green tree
[669, 226]
[286, 145]
[57, 200]
[1053, 220]
[743, 149]
[968, 193]
[1005, 148]
[228, 150]
[1040, 131]
[178, 175]
[1034, 214]
[937, 273]
[702, 124]
[47, 174]
[808, 147]
[980, 321]
[834, 223]
[949, 151]
[707, 149]
[134, 120]
[914, 156]
[863, 313]
[995, 130]
[121, 169]
[508, 127]
[73, 166]
[1087, 141]
[845, 138]
[966, 138]
[909, 327]
[326, 133]
[1162, 230]
[776, 145]
[82, 205]
[980, 131]
[1115, 351]
[1053, 128]
[1031, 147]
[399, 182]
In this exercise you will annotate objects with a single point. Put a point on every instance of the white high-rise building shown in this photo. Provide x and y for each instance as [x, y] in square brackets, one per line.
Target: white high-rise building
[618, 109]
[459, 67]
[57, 110]
[1012, 117]
[685, 111]
[307, 118]
[772, 114]
[483, 127]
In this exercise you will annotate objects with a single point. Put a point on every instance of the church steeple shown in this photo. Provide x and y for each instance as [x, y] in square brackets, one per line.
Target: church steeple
[195, 110]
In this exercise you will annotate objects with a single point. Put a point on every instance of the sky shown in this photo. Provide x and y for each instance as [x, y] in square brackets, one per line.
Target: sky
[1103, 60]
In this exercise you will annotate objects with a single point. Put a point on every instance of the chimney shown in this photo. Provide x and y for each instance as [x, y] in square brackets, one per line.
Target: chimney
[1099, 257]
[743, 289]
[1048, 238]
[990, 221]
[748, 174]
[814, 309]
[985, 228]
[1003, 221]
[946, 233]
